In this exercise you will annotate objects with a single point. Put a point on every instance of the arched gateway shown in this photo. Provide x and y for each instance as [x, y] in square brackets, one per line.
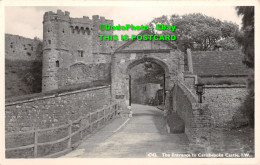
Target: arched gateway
[135, 52]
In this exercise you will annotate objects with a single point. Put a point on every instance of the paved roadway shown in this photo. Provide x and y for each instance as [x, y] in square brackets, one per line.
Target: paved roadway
[144, 133]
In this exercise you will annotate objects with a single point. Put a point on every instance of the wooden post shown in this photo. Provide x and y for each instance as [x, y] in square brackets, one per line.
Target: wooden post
[80, 127]
[109, 112]
[104, 115]
[130, 92]
[164, 94]
[114, 109]
[35, 142]
[90, 123]
[98, 119]
[70, 130]
[117, 107]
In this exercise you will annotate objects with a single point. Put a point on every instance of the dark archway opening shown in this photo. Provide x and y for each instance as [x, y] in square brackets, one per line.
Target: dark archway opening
[147, 84]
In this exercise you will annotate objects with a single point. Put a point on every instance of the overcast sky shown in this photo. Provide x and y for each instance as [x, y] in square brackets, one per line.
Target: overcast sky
[27, 21]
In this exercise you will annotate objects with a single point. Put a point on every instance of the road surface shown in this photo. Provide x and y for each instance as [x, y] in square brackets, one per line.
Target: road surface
[135, 137]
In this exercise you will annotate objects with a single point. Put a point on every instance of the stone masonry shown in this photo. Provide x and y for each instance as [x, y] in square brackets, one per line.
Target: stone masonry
[54, 110]
[21, 48]
[224, 103]
[70, 44]
[136, 52]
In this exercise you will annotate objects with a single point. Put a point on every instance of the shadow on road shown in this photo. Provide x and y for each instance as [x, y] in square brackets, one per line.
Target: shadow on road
[153, 114]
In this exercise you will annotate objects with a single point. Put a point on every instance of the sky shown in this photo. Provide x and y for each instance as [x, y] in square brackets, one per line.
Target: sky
[27, 21]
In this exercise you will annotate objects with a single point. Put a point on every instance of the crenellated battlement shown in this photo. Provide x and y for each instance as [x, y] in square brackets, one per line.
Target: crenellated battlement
[65, 16]
[60, 15]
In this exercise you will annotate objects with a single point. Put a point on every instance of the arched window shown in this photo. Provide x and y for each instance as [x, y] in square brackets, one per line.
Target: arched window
[77, 29]
[57, 63]
[72, 29]
[82, 30]
[87, 31]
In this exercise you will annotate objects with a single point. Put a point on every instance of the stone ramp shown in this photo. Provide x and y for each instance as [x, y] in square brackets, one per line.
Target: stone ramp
[144, 133]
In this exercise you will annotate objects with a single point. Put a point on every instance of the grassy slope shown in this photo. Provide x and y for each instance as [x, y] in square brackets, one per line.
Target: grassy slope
[16, 73]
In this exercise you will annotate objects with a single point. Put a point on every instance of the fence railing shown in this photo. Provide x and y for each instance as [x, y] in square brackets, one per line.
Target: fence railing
[91, 121]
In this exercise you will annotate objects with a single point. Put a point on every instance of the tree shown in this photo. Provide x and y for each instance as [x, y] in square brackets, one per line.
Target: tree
[246, 39]
[200, 32]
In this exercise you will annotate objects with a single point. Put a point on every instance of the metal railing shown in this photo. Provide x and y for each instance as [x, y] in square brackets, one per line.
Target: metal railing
[98, 118]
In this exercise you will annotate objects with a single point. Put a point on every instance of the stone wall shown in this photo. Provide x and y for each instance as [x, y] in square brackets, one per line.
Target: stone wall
[21, 48]
[224, 103]
[53, 110]
[228, 80]
[82, 73]
[190, 80]
[196, 116]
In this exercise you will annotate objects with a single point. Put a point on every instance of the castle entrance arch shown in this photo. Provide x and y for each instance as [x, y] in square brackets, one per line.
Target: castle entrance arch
[147, 61]
[135, 52]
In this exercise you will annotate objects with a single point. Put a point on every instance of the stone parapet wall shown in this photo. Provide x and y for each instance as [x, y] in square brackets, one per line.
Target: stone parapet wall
[54, 110]
[196, 116]
[224, 103]
[224, 80]
[190, 80]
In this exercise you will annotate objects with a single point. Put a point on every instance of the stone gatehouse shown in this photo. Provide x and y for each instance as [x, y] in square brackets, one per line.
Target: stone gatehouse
[135, 52]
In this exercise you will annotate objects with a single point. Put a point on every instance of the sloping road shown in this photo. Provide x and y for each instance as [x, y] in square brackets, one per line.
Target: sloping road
[144, 133]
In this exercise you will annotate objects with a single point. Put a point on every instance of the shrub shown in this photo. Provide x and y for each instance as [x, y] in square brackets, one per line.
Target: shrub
[248, 109]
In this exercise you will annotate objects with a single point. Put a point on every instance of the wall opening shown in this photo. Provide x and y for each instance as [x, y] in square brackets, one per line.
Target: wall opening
[57, 63]
[81, 53]
[72, 29]
[82, 30]
[87, 31]
[146, 84]
[77, 29]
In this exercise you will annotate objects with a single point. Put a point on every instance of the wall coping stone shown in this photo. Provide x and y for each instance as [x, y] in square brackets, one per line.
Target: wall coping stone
[225, 86]
[144, 51]
[56, 95]
[192, 98]
[217, 75]
[187, 75]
